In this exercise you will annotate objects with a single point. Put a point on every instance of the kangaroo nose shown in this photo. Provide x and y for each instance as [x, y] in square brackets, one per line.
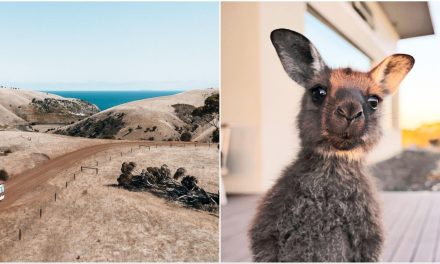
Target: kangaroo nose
[349, 111]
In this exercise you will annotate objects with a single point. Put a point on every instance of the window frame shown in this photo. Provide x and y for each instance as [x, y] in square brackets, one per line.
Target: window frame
[314, 13]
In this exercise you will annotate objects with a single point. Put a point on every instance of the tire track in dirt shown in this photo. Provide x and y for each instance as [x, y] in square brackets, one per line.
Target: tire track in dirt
[21, 183]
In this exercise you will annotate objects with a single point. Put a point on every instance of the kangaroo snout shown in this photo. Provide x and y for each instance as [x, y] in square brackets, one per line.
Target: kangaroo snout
[346, 122]
[349, 111]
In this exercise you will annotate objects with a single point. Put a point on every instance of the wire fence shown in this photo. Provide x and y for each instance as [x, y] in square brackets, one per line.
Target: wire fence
[15, 231]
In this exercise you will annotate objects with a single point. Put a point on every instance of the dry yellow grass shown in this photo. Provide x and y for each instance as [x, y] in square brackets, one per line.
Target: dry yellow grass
[96, 222]
[421, 136]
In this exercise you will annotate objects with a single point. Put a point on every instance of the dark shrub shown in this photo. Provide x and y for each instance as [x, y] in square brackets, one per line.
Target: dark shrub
[8, 151]
[212, 103]
[180, 172]
[186, 136]
[215, 136]
[189, 182]
[211, 106]
[151, 138]
[165, 171]
[4, 176]
[434, 142]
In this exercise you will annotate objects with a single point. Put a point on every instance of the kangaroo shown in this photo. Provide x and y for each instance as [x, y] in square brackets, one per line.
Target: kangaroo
[324, 206]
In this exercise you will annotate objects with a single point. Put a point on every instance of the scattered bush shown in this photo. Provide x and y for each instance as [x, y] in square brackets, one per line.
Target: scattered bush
[138, 127]
[434, 142]
[186, 136]
[211, 106]
[151, 138]
[189, 182]
[4, 176]
[126, 169]
[158, 181]
[180, 173]
[148, 129]
[216, 136]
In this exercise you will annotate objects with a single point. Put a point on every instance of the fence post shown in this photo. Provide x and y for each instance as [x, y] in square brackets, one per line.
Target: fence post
[41, 212]
[66, 184]
[110, 158]
[19, 234]
[121, 153]
[74, 176]
[55, 197]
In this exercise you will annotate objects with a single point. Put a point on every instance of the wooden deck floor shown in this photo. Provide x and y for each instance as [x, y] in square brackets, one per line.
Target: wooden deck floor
[412, 223]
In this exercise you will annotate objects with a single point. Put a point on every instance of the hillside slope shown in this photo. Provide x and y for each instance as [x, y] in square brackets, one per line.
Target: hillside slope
[162, 118]
[92, 220]
[20, 107]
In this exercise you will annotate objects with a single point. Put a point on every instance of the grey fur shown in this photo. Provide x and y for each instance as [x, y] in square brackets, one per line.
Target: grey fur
[323, 207]
[320, 210]
[299, 57]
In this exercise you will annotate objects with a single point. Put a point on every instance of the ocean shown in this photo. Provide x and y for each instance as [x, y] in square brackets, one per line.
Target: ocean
[108, 99]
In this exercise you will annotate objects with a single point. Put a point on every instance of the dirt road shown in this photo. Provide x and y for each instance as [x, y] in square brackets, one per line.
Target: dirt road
[21, 183]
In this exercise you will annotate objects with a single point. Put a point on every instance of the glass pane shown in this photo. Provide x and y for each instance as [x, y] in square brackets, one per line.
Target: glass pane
[335, 50]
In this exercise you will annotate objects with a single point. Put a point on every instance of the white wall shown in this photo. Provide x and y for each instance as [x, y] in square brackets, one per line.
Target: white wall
[240, 97]
[280, 95]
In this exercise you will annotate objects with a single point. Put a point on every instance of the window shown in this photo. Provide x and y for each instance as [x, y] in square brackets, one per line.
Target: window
[334, 48]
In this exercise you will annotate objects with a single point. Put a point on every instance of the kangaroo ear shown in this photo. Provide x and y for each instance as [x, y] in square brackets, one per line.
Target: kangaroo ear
[391, 71]
[300, 59]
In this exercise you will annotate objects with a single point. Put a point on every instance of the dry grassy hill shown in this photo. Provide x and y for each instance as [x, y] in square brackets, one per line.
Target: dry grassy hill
[22, 107]
[94, 221]
[185, 116]
[424, 136]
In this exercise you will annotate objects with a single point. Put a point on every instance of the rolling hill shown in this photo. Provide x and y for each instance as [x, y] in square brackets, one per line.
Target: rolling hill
[187, 116]
[19, 108]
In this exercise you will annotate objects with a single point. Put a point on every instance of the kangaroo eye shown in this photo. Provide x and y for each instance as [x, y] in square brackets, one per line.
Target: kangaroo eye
[373, 101]
[318, 94]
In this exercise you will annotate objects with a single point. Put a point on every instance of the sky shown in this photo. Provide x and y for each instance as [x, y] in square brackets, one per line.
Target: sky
[117, 46]
[420, 91]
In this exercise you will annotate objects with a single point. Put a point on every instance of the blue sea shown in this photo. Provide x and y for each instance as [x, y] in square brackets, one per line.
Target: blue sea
[108, 99]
